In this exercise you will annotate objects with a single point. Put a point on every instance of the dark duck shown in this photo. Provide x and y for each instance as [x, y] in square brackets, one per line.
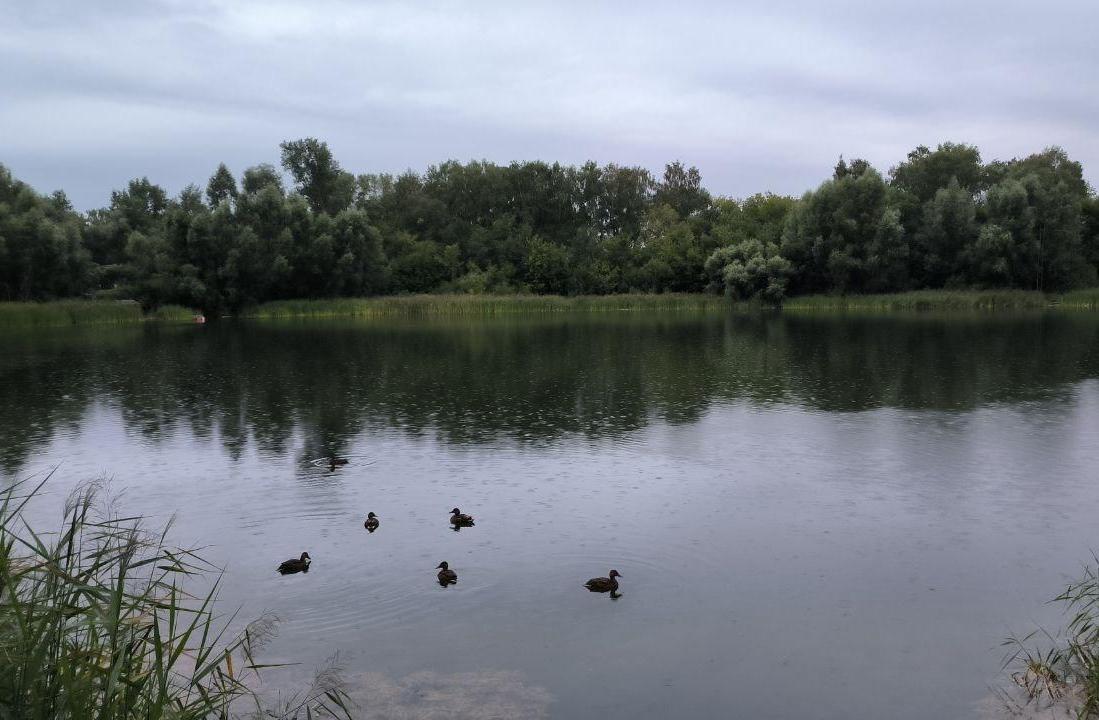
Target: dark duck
[459, 519]
[604, 584]
[295, 565]
[446, 575]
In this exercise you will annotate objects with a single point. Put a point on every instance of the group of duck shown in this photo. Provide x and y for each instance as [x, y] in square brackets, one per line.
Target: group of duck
[446, 575]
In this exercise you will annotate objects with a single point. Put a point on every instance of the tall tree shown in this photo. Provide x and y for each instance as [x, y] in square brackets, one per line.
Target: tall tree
[318, 176]
[221, 187]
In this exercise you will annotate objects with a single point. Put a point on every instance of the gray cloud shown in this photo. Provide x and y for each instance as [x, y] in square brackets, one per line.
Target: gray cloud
[758, 95]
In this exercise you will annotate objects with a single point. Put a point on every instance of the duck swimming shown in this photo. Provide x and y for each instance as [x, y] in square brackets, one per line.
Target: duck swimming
[296, 565]
[446, 575]
[334, 462]
[371, 523]
[604, 584]
[460, 520]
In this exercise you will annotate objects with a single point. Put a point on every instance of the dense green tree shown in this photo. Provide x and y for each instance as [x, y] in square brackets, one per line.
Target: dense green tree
[839, 235]
[926, 171]
[317, 174]
[221, 187]
[947, 228]
[681, 189]
[261, 176]
[42, 255]
[942, 220]
[750, 269]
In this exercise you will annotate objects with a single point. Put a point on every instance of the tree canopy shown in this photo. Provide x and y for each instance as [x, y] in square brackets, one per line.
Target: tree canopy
[940, 218]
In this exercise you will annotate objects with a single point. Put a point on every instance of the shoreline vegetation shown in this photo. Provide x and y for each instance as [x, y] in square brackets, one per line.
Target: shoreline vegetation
[941, 219]
[101, 618]
[86, 312]
[91, 312]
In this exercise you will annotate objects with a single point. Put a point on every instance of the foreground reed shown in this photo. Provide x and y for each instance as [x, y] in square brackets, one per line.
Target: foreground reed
[1065, 674]
[95, 622]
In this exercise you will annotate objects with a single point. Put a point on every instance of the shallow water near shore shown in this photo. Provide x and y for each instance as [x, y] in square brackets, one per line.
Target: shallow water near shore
[826, 516]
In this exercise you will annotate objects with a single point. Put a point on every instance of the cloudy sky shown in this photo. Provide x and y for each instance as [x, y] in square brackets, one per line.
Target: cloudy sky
[759, 95]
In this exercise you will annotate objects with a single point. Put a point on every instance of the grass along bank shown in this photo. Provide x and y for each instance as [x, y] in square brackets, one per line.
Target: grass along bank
[96, 621]
[1087, 299]
[924, 300]
[85, 312]
[497, 305]
[480, 305]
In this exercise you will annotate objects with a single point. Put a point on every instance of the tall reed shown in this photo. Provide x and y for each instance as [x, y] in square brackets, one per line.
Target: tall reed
[95, 622]
[924, 300]
[478, 305]
[1066, 671]
[85, 312]
[1084, 299]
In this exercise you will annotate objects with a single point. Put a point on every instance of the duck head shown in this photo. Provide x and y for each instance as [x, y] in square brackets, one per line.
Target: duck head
[614, 574]
[442, 566]
[305, 557]
[455, 511]
[370, 514]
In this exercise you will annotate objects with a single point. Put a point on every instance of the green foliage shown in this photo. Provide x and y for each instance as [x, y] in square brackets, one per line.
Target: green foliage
[924, 300]
[318, 176]
[96, 622]
[85, 312]
[834, 230]
[927, 171]
[1065, 673]
[750, 270]
[221, 187]
[942, 220]
[42, 254]
[480, 305]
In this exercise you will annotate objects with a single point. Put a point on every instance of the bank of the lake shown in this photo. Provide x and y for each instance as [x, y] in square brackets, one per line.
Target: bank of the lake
[492, 305]
[88, 312]
[85, 312]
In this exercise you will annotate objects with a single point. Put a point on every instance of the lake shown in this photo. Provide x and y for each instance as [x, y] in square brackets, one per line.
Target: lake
[814, 516]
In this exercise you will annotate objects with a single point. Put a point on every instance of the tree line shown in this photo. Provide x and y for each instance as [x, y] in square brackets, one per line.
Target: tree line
[941, 218]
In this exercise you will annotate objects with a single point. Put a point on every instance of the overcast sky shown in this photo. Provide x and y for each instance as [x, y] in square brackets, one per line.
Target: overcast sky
[759, 95]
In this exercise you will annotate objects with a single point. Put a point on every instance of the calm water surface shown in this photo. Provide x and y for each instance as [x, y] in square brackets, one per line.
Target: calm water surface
[813, 517]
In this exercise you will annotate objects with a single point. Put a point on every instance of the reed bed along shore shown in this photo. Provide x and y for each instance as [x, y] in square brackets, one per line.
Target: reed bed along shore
[924, 300]
[1081, 299]
[85, 312]
[480, 305]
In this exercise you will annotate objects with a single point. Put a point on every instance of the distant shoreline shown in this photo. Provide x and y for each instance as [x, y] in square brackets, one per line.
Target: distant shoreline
[92, 312]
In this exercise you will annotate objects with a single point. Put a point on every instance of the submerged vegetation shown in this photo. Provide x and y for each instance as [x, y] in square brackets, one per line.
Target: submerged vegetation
[1064, 674]
[96, 621]
[941, 219]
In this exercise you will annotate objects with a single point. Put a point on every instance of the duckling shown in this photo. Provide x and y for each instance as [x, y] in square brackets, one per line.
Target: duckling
[295, 566]
[371, 523]
[460, 520]
[604, 584]
[446, 575]
[334, 462]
